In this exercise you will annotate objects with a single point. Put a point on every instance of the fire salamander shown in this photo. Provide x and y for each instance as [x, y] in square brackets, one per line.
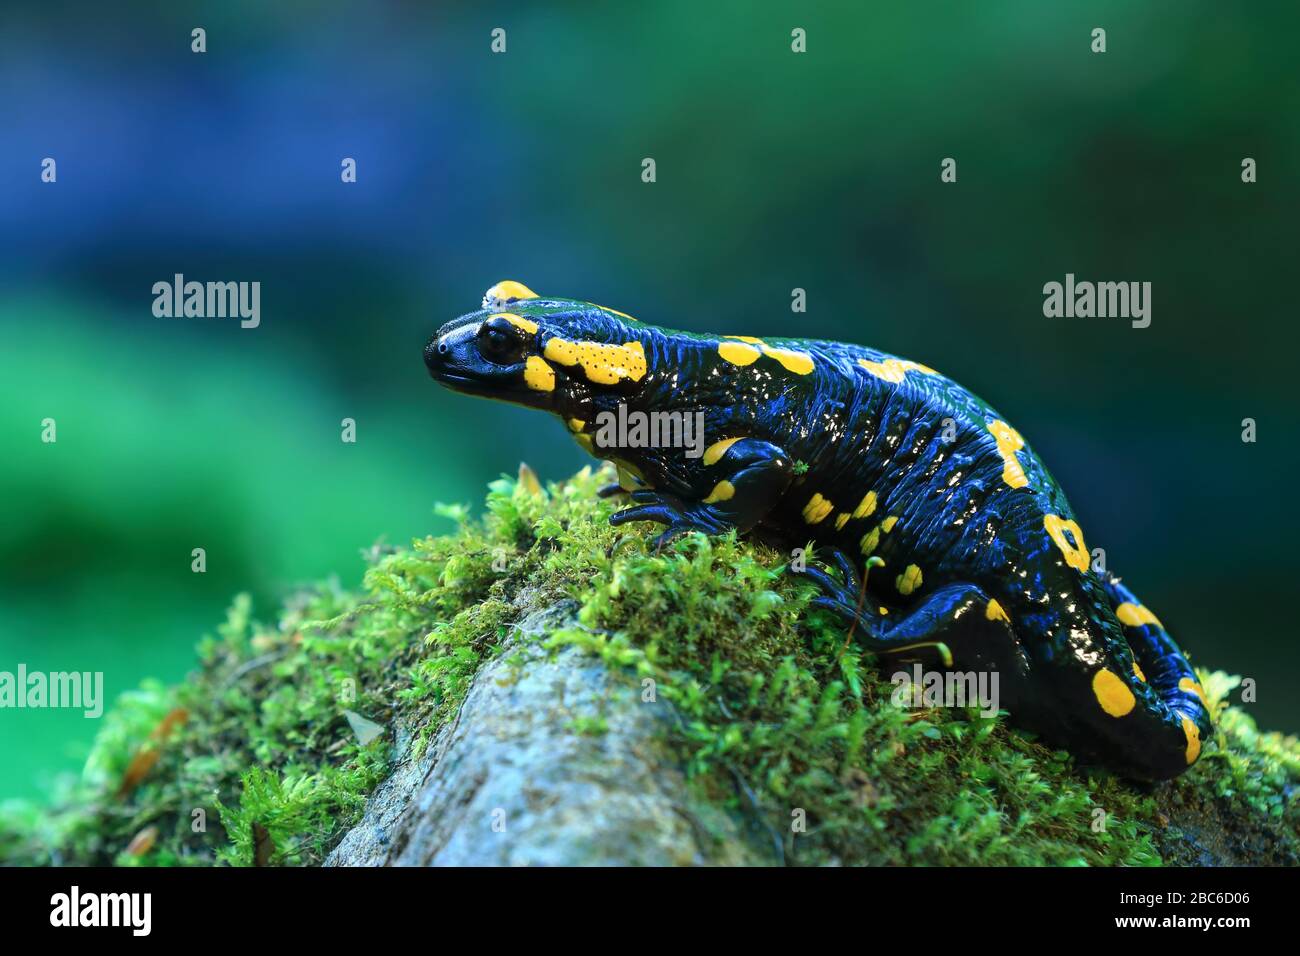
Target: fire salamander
[883, 464]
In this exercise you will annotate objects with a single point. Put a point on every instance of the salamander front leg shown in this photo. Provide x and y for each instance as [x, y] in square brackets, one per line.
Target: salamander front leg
[629, 480]
[747, 480]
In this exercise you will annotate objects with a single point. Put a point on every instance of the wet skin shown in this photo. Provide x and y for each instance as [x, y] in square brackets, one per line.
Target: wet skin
[973, 552]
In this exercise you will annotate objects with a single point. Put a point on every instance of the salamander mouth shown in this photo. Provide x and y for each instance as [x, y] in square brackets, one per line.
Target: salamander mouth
[502, 379]
[452, 378]
[504, 386]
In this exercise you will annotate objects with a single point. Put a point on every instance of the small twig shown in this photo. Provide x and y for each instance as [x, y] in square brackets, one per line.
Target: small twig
[261, 661]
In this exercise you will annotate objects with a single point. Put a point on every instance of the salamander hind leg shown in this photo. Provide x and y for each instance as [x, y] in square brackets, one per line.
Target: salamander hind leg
[1181, 711]
[963, 626]
[1141, 712]
[1113, 687]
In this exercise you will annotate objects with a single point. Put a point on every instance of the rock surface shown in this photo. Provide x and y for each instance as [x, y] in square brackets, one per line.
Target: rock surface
[523, 777]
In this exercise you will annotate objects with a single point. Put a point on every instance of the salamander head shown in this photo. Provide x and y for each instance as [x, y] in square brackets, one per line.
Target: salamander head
[522, 348]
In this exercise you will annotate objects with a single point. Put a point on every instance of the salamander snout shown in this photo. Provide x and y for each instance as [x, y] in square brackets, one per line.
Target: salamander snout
[436, 351]
[492, 356]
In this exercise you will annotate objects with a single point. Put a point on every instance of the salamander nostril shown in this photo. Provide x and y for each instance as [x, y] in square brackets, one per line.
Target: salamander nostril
[433, 352]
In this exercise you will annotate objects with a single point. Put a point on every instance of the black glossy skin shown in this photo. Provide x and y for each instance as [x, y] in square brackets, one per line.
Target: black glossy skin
[996, 588]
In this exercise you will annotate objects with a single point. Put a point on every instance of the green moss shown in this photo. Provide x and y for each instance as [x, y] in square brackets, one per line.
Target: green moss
[776, 719]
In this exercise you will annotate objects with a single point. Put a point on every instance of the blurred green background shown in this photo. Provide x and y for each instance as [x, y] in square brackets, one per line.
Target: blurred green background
[775, 171]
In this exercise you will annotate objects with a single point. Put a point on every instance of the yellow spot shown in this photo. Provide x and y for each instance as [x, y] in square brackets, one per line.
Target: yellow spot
[602, 364]
[800, 363]
[722, 491]
[895, 370]
[713, 454]
[888, 524]
[1135, 615]
[576, 424]
[538, 376]
[738, 354]
[841, 520]
[884, 610]
[506, 290]
[1076, 555]
[817, 509]
[1137, 671]
[866, 507]
[1193, 687]
[1009, 442]
[1112, 693]
[869, 542]
[518, 321]
[909, 580]
[1193, 735]
[745, 350]
[890, 370]
[994, 612]
[586, 443]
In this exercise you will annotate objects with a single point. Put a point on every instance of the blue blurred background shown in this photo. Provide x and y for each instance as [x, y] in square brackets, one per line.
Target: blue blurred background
[775, 171]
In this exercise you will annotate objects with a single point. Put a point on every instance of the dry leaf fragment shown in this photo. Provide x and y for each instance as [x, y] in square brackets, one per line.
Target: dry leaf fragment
[142, 842]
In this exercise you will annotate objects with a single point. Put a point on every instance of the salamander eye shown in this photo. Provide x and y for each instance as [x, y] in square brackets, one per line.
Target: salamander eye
[499, 341]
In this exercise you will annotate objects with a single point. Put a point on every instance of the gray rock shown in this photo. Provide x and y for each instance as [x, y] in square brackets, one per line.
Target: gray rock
[515, 780]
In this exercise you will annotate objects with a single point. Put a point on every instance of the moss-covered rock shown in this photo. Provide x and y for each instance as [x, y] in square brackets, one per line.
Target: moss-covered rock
[554, 759]
[730, 703]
